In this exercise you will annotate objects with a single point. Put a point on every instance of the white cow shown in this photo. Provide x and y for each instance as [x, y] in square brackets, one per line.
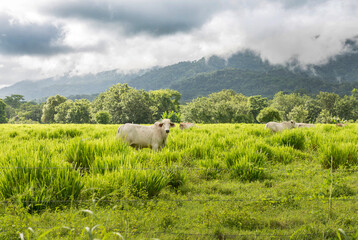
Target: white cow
[139, 136]
[277, 127]
[186, 125]
[305, 125]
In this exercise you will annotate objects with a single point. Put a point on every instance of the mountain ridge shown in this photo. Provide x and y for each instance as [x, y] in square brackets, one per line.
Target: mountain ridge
[244, 72]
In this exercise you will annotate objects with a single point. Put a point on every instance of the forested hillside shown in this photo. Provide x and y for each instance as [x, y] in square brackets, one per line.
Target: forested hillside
[341, 68]
[167, 76]
[249, 83]
[244, 72]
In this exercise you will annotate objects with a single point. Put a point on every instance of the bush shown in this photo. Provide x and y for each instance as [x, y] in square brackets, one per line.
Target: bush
[268, 114]
[103, 117]
[173, 116]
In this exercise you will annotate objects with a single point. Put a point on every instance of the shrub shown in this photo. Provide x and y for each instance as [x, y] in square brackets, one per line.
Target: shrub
[103, 117]
[173, 116]
[268, 114]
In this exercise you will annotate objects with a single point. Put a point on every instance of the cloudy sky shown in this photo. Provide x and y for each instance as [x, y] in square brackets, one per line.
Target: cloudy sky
[46, 38]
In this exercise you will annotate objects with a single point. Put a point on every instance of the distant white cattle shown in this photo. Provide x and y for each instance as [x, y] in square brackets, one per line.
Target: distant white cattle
[277, 127]
[139, 136]
[305, 125]
[186, 125]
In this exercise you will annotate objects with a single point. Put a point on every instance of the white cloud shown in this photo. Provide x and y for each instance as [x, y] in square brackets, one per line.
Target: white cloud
[311, 31]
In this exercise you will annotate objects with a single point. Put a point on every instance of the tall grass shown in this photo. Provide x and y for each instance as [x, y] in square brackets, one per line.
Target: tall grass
[246, 163]
[295, 139]
[213, 179]
[83, 153]
[343, 155]
[36, 182]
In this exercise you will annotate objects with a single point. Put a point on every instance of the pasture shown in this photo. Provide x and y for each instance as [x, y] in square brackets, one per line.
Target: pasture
[219, 181]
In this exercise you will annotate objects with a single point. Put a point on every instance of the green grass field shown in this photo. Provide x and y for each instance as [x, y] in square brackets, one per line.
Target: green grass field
[222, 181]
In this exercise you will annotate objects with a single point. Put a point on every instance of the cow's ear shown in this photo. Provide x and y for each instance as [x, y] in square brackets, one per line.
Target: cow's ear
[172, 124]
[160, 124]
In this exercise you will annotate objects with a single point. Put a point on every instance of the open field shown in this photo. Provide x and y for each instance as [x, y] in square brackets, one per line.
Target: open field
[222, 181]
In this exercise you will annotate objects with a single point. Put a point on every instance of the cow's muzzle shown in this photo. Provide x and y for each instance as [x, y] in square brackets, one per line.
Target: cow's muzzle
[167, 131]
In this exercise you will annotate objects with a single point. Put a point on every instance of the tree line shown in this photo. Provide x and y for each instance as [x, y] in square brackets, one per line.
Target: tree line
[122, 104]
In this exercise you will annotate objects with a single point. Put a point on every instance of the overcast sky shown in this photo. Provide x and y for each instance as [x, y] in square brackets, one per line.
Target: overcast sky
[46, 38]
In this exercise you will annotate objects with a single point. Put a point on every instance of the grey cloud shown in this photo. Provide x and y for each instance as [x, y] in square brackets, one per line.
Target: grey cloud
[30, 39]
[156, 17]
[289, 4]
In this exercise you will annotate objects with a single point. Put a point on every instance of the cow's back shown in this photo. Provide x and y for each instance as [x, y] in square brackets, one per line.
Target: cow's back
[305, 125]
[186, 125]
[273, 126]
[136, 134]
[277, 127]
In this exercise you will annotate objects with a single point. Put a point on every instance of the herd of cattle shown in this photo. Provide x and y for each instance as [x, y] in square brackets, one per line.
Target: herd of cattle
[155, 136]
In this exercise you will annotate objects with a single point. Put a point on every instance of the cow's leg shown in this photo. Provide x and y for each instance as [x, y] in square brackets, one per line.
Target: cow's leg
[135, 146]
[155, 148]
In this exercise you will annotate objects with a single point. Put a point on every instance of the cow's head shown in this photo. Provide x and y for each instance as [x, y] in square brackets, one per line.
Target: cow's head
[294, 124]
[166, 124]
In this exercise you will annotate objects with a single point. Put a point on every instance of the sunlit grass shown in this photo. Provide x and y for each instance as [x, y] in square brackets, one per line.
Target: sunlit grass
[212, 179]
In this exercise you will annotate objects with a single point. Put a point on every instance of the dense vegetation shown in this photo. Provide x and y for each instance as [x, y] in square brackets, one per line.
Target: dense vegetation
[218, 181]
[250, 83]
[244, 72]
[122, 104]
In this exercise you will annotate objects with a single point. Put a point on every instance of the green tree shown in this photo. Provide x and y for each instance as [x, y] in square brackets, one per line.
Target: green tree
[256, 104]
[268, 114]
[30, 111]
[14, 100]
[62, 111]
[48, 110]
[3, 118]
[324, 117]
[355, 93]
[327, 101]
[164, 100]
[225, 106]
[313, 108]
[345, 107]
[199, 110]
[298, 114]
[125, 104]
[103, 117]
[10, 112]
[286, 102]
[79, 112]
